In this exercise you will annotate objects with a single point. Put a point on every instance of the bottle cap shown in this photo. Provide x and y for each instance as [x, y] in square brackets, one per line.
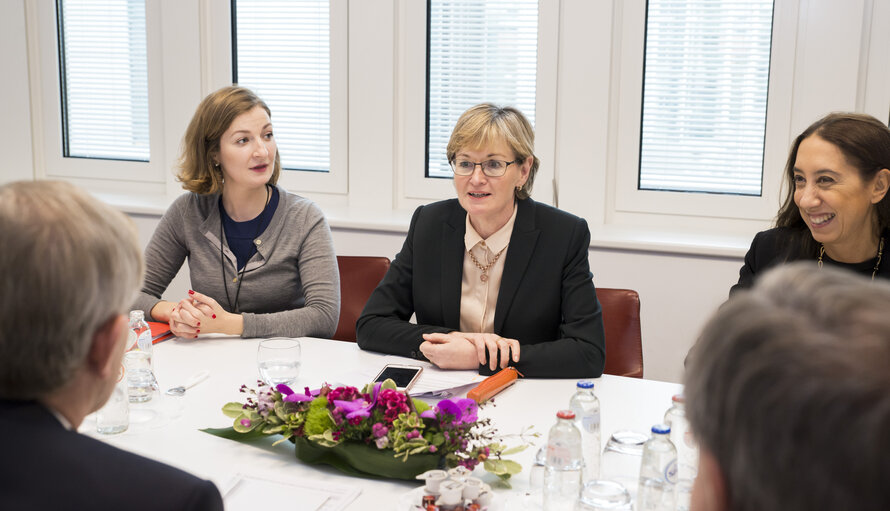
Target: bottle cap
[565, 414]
[678, 398]
[585, 384]
[661, 429]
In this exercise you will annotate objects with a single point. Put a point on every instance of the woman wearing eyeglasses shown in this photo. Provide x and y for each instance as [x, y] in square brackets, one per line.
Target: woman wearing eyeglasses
[494, 278]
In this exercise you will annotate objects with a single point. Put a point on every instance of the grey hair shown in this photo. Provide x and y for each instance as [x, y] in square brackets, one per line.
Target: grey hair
[68, 264]
[788, 388]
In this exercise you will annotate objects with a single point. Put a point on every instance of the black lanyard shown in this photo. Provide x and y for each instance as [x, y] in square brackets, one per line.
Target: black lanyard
[222, 261]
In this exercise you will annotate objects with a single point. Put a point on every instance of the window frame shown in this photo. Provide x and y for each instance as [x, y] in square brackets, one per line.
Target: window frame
[48, 141]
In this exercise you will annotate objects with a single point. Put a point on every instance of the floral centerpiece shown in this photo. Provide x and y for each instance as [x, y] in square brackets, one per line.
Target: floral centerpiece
[377, 432]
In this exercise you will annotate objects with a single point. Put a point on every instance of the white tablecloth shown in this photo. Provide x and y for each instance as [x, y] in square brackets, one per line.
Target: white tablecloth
[172, 435]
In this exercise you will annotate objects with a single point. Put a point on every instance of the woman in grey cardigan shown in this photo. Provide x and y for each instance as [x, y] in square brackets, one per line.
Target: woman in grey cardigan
[261, 259]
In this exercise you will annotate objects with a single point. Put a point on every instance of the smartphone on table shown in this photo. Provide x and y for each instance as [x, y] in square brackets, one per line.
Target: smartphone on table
[404, 375]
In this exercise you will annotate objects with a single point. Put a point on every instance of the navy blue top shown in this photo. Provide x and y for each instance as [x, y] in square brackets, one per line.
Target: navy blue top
[240, 235]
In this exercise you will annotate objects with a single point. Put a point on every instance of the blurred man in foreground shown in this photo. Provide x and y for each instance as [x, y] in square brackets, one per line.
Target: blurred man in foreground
[788, 394]
[69, 268]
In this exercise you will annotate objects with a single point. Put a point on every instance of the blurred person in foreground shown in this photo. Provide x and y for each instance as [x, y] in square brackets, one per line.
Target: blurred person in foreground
[494, 277]
[788, 395]
[836, 209]
[69, 268]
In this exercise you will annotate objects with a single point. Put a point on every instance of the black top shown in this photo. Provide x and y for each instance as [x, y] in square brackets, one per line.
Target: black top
[546, 300]
[777, 246]
[240, 235]
[49, 467]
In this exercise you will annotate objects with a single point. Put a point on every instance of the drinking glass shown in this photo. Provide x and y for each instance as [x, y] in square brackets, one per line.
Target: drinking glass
[278, 360]
[114, 416]
[140, 379]
[602, 495]
[622, 457]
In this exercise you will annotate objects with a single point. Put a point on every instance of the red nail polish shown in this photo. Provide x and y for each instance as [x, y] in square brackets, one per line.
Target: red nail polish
[197, 331]
[199, 323]
[191, 292]
[214, 316]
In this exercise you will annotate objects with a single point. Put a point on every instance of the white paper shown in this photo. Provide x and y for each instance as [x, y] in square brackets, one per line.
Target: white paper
[248, 493]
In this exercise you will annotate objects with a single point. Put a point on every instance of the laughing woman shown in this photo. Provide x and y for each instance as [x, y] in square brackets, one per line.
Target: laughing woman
[494, 278]
[837, 211]
[261, 259]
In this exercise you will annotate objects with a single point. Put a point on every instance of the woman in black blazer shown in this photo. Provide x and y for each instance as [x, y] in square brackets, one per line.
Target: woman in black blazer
[460, 253]
[836, 210]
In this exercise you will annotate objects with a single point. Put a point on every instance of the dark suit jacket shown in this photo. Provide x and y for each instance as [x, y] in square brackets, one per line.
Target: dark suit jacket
[775, 246]
[49, 467]
[546, 300]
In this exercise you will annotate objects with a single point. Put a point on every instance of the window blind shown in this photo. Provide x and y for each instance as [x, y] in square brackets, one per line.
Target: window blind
[705, 95]
[104, 77]
[282, 52]
[479, 51]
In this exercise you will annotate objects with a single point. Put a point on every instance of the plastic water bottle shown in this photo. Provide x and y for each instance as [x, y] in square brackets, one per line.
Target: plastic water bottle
[687, 450]
[658, 472]
[562, 474]
[586, 407]
[141, 332]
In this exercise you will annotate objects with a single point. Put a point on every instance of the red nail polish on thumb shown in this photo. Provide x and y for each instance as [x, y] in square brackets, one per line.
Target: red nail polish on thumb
[191, 292]
[214, 316]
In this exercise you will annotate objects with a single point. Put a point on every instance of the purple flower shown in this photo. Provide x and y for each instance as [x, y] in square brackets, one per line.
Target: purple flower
[433, 448]
[245, 422]
[379, 430]
[357, 408]
[412, 434]
[463, 411]
[292, 397]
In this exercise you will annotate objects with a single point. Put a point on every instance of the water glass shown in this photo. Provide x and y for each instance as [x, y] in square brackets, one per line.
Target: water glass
[278, 360]
[622, 457]
[140, 379]
[602, 495]
[114, 416]
[536, 473]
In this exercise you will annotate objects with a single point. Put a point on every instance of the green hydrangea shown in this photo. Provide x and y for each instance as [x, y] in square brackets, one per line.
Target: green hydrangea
[318, 418]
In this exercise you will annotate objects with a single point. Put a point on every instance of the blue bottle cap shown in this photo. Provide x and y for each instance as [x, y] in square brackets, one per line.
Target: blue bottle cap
[585, 384]
[661, 429]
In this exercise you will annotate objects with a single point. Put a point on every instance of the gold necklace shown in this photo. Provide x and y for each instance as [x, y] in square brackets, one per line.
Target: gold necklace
[877, 263]
[484, 276]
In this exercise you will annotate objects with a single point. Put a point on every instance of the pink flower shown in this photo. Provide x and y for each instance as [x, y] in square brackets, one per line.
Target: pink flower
[379, 430]
[245, 422]
[412, 434]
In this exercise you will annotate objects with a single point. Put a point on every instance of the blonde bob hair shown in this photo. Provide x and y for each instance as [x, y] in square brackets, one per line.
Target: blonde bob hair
[487, 124]
[200, 144]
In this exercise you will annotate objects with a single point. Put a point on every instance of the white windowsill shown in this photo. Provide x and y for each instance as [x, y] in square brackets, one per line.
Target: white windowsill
[397, 221]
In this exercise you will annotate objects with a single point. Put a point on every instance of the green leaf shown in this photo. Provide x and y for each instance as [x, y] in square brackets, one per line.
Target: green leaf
[231, 434]
[512, 467]
[241, 428]
[496, 467]
[233, 409]
[514, 450]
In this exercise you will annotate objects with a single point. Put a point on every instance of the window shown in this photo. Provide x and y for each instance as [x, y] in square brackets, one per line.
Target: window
[282, 50]
[478, 51]
[104, 78]
[706, 76]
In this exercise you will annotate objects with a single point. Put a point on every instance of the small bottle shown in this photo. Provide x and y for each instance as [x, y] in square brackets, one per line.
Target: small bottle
[562, 474]
[658, 472]
[141, 381]
[687, 450]
[586, 407]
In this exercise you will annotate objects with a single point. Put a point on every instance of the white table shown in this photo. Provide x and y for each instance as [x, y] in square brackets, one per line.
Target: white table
[626, 403]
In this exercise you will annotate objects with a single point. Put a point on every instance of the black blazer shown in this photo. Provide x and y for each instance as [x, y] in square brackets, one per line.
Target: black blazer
[49, 467]
[546, 301]
[777, 246]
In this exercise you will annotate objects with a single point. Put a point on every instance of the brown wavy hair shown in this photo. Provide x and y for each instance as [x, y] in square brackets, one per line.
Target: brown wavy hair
[865, 143]
[486, 123]
[201, 141]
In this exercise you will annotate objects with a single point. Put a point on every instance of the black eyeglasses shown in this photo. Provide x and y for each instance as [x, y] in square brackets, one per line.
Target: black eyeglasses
[491, 168]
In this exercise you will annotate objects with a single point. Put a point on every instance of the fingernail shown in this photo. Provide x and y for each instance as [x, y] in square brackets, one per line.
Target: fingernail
[191, 292]
[214, 316]
[197, 331]
[199, 324]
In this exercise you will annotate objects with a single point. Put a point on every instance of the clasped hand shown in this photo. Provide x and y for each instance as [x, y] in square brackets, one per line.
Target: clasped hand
[196, 313]
[462, 350]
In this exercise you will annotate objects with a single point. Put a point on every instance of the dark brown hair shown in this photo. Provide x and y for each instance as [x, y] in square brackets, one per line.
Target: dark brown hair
[201, 141]
[865, 143]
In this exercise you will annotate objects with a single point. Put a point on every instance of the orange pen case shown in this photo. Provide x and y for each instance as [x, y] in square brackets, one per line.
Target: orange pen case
[493, 384]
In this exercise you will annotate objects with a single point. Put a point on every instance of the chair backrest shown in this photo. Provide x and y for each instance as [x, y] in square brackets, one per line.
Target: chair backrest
[624, 340]
[359, 275]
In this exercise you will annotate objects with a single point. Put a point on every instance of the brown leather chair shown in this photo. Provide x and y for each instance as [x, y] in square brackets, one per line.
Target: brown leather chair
[359, 275]
[624, 340]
